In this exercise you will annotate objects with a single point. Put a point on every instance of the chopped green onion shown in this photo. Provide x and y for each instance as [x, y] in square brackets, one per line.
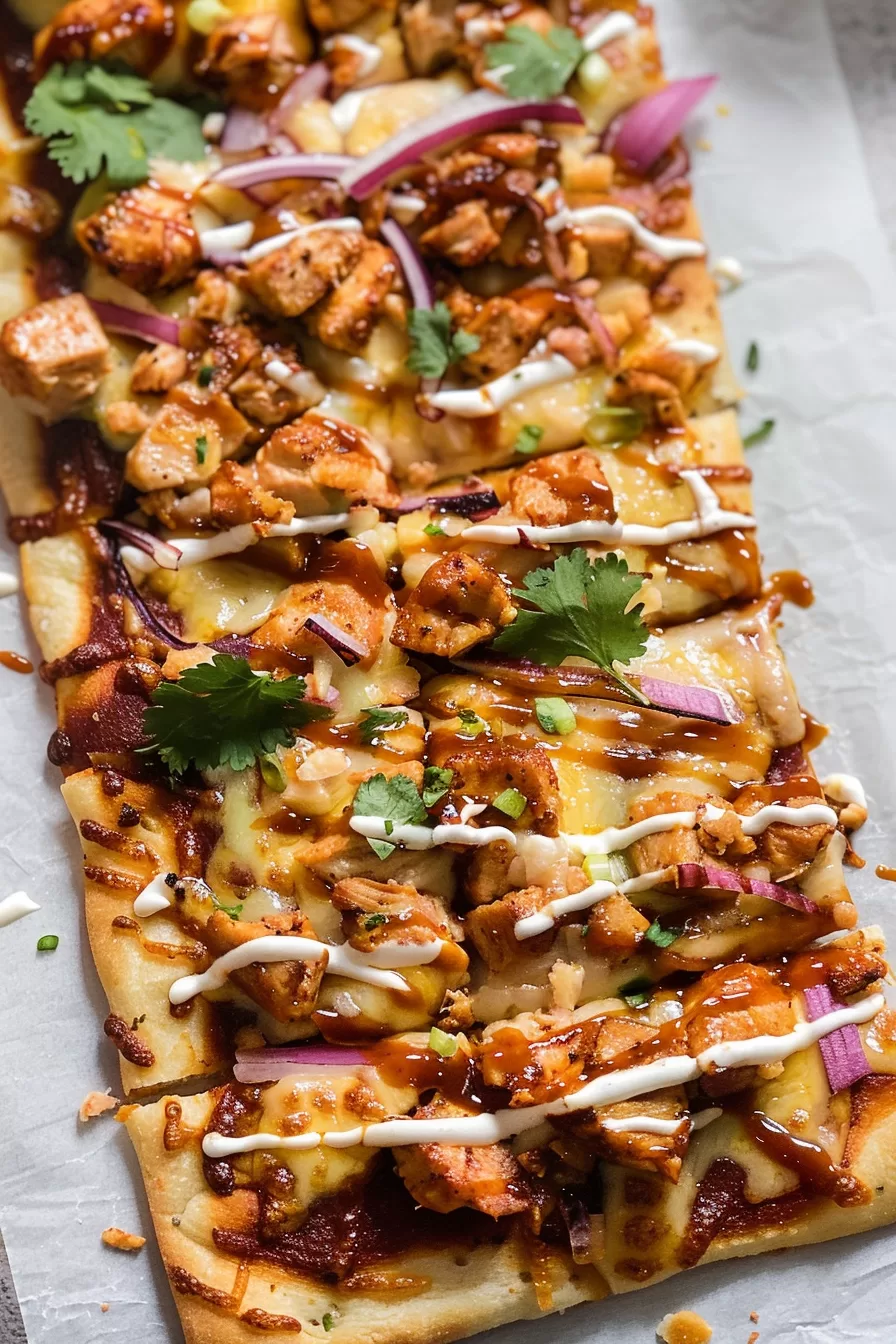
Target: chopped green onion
[48, 943]
[434, 530]
[607, 868]
[374, 921]
[614, 425]
[443, 1044]
[759, 435]
[472, 724]
[272, 773]
[554, 714]
[234, 911]
[511, 802]
[201, 449]
[205, 375]
[528, 439]
[661, 937]
[753, 357]
[436, 783]
[327, 1321]
[636, 992]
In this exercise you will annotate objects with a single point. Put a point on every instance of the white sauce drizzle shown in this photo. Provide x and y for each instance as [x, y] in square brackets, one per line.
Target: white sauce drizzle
[428, 837]
[155, 897]
[545, 918]
[371, 55]
[9, 584]
[711, 517]
[405, 207]
[193, 550]
[301, 382]
[16, 906]
[618, 24]
[845, 789]
[614, 838]
[227, 238]
[670, 249]
[620, 1085]
[643, 1124]
[343, 960]
[730, 270]
[474, 402]
[345, 224]
[345, 111]
[701, 352]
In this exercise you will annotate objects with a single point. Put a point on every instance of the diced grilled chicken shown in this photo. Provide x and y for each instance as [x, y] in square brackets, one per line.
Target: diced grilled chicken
[186, 441]
[107, 30]
[235, 497]
[313, 459]
[615, 928]
[554, 1062]
[291, 279]
[562, 488]
[215, 299]
[656, 397]
[357, 608]
[506, 331]
[159, 368]
[445, 1177]
[667, 847]
[787, 850]
[144, 237]
[490, 928]
[735, 1003]
[608, 247]
[31, 211]
[238, 356]
[251, 58]
[345, 320]
[431, 34]
[636, 1148]
[332, 16]
[53, 355]
[286, 989]
[466, 237]
[458, 603]
[376, 912]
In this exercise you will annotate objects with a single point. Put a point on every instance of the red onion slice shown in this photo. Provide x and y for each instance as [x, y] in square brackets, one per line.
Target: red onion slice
[244, 131]
[349, 649]
[310, 84]
[578, 1225]
[278, 166]
[474, 502]
[163, 553]
[476, 112]
[785, 763]
[698, 876]
[592, 321]
[152, 327]
[844, 1055]
[268, 1064]
[698, 702]
[416, 275]
[642, 133]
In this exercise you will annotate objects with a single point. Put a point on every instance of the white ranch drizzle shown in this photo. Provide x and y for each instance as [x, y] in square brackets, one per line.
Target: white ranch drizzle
[9, 584]
[545, 918]
[670, 249]
[613, 838]
[711, 517]
[643, 1124]
[343, 960]
[227, 238]
[371, 55]
[16, 906]
[620, 1085]
[845, 789]
[617, 24]
[428, 837]
[193, 550]
[730, 270]
[301, 382]
[155, 897]
[345, 224]
[474, 402]
[701, 352]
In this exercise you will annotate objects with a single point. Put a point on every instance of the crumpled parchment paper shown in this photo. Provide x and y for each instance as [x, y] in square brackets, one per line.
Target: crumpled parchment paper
[783, 188]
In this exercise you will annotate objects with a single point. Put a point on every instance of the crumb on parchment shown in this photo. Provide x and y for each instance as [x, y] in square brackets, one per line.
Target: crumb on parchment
[684, 1327]
[122, 1241]
[104, 1306]
[754, 1317]
[754, 1335]
[96, 1103]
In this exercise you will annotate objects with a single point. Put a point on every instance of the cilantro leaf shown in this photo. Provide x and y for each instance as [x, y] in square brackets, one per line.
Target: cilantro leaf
[528, 439]
[95, 116]
[395, 801]
[433, 344]
[223, 713]
[636, 992]
[539, 66]
[581, 612]
[436, 783]
[759, 435]
[661, 937]
[380, 720]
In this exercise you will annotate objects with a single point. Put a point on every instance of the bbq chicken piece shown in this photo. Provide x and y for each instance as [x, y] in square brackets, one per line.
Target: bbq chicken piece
[668, 847]
[377, 912]
[562, 488]
[345, 320]
[333, 16]
[431, 35]
[144, 237]
[506, 331]
[735, 1003]
[107, 30]
[466, 237]
[28, 210]
[251, 59]
[239, 357]
[186, 440]
[786, 850]
[638, 1148]
[490, 928]
[615, 928]
[291, 279]
[288, 990]
[446, 1177]
[313, 460]
[158, 369]
[235, 498]
[54, 355]
[458, 603]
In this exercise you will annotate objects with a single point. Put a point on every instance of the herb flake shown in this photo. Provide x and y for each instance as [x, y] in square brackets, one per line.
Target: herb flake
[434, 346]
[539, 67]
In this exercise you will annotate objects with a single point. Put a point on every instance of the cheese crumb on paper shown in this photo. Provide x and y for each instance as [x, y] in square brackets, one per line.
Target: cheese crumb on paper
[684, 1327]
[96, 1103]
[122, 1241]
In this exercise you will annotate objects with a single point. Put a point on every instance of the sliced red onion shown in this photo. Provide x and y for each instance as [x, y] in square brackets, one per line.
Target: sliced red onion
[594, 324]
[350, 650]
[785, 763]
[578, 1225]
[642, 133]
[268, 1064]
[696, 876]
[279, 166]
[152, 327]
[844, 1055]
[165, 555]
[474, 502]
[239, 645]
[416, 275]
[244, 131]
[470, 115]
[698, 702]
[310, 84]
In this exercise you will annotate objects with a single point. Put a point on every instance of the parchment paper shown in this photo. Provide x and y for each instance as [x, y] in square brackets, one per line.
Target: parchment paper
[784, 189]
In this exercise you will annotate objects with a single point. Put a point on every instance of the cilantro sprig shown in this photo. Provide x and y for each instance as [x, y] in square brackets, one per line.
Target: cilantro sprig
[539, 67]
[581, 610]
[99, 117]
[434, 346]
[396, 801]
[377, 720]
[224, 713]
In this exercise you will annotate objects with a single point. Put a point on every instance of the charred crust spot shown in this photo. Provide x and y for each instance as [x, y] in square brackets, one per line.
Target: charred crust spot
[190, 1286]
[266, 1320]
[59, 748]
[128, 815]
[128, 1043]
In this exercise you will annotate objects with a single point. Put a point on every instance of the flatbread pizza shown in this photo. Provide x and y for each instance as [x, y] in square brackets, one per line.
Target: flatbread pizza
[474, 925]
